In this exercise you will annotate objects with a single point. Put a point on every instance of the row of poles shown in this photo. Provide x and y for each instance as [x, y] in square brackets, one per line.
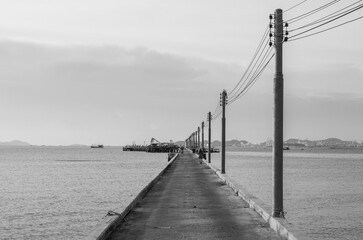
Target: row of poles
[193, 141]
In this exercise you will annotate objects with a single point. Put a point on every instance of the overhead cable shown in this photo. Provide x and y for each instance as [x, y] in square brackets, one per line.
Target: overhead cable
[353, 20]
[327, 17]
[252, 80]
[295, 6]
[334, 19]
[264, 37]
[316, 10]
[249, 70]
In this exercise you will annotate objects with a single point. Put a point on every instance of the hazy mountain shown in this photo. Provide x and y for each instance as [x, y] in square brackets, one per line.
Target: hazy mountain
[14, 143]
[217, 143]
[77, 145]
[329, 142]
[181, 143]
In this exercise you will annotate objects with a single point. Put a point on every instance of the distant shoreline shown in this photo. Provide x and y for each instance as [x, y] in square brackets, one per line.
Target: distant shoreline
[320, 149]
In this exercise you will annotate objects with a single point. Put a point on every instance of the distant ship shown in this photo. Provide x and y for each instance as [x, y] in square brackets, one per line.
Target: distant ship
[97, 146]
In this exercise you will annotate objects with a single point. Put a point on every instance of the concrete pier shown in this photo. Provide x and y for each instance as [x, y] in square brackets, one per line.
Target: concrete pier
[191, 202]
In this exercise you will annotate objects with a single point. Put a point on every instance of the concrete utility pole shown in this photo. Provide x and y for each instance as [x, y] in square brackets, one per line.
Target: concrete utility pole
[209, 136]
[198, 137]
[193, 140]
[223, 103]
[277, 175]
[202, 143]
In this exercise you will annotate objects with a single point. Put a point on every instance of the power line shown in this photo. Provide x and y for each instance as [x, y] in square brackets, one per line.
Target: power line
[216, 115]
[353, 20]
[334, 19]
[253, 75]
[327, 17]
[256, 78]
[252, 80]
[316, 10]
[264, 36]
[263, 55]
[218, 106]
[295, 6]
[249, 71]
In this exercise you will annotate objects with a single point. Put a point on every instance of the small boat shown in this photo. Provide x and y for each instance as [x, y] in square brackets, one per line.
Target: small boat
[97, 146]
[214, 150]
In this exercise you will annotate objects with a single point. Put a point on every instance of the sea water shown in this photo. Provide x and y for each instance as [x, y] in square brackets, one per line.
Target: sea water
[323, 189]
[63, 192]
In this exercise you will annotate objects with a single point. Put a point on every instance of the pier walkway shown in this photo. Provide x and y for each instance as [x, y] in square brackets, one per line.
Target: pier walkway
[191, 202]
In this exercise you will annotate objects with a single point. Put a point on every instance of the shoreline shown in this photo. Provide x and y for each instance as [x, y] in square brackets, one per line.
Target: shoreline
[328, 150]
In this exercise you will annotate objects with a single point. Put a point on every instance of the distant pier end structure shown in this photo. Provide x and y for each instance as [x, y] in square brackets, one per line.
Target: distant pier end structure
[155, 146]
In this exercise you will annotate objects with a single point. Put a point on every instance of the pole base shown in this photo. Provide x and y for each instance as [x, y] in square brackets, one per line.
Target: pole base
[279, 214]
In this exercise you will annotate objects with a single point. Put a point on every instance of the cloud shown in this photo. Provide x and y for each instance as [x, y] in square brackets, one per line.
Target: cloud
[70, 86]
[110, 92]
[99, 64]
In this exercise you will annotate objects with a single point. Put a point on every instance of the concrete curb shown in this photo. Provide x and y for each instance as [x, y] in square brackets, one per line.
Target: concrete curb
[103, 229]
[258, 206]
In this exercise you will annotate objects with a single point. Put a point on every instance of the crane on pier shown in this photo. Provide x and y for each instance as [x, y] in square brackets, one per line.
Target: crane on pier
[154, 141]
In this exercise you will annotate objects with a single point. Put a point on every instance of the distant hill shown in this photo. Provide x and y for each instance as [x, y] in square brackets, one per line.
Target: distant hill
[329, 142]
[14, 143]
[77, 145]
[232, 143]
[181, 143]
[216, 143]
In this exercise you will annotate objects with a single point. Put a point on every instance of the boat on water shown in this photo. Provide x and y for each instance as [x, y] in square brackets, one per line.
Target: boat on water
[212, 150]
[215, 150]
[97, 146]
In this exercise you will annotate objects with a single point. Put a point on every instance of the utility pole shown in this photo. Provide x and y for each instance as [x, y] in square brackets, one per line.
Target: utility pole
[223, 103]
[198, 137]
[192, 142]
[277, 176]
[202, 143]
[196, 140]
[209, 136]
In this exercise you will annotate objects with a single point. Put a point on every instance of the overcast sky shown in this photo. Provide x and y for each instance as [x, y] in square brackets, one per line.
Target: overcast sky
[119, 71]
